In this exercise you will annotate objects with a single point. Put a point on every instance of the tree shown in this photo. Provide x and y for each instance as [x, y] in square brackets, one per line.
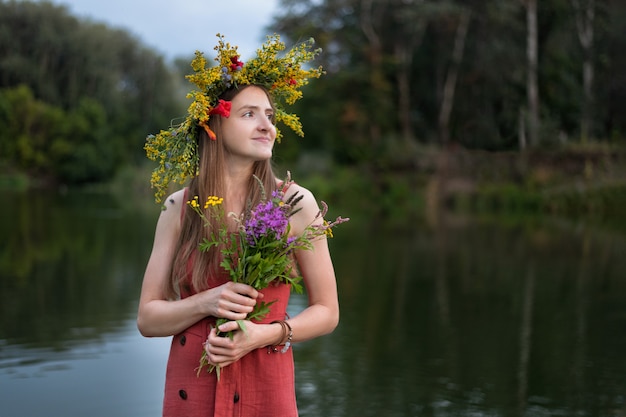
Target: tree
[394, 72]
[109, 90]
[585, 16]
[532, 89]
[413, 20]
[451, 78]
[52, 144]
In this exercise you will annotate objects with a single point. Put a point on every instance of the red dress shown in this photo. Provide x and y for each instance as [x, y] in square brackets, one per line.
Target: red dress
[257, 385]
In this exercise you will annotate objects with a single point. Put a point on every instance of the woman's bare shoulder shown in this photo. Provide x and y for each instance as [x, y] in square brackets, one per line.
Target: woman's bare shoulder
[306, 196]
[306, 206]
[174, 204]
[176, 198]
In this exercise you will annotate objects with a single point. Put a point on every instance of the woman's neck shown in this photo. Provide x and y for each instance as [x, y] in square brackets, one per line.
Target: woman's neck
[236, 182]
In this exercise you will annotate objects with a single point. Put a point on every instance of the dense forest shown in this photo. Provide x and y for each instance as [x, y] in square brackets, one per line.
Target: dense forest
[493, 75]
[77, 98]
[505, 77]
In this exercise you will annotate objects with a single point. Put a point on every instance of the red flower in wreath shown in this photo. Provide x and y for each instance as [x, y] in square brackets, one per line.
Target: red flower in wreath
[222, 108]
[235, 63]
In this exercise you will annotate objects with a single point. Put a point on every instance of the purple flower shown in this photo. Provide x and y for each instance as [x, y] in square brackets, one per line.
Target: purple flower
[268, 219]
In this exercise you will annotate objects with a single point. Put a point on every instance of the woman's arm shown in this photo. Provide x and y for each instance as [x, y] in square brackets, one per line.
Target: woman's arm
[322, 314]
[158, 316]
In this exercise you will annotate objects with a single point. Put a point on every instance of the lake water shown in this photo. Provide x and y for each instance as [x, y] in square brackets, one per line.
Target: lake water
[455, 316]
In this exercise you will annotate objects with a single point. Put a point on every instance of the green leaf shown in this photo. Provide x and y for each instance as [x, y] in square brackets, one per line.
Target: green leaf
[260, 311]
[254, 259]
[242, 326]
[207, 244]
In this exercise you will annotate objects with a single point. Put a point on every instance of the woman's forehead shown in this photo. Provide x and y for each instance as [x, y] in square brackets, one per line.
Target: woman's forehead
[252, 97]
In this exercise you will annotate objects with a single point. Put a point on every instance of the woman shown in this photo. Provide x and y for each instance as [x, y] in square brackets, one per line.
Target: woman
[184, 290]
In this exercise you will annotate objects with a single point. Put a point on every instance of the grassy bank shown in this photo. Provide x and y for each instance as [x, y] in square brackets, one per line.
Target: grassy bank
[574, 181]
[581, 183]
[606, 198]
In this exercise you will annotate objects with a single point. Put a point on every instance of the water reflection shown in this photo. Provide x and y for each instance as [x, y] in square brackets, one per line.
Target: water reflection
[484, 318]
[117, 374]
[454, 317]
[69, 265]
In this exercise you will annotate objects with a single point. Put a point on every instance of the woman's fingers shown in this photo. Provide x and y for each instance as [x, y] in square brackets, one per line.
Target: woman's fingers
[231, 300]
[236, 300]
[243, 293]
[222, 350]
[229, 326]
[233, 311]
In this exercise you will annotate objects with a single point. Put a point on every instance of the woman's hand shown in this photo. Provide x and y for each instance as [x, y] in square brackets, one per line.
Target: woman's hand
[231, 301]
[223, 351]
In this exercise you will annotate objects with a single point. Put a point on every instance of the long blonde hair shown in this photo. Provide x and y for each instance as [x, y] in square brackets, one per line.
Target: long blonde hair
[209, 181]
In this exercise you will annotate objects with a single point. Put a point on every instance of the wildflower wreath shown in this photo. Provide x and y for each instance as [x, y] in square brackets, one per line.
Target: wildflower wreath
[283, 75]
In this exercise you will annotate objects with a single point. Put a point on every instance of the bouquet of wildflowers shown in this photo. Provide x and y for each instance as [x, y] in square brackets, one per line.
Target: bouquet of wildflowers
[259, 252]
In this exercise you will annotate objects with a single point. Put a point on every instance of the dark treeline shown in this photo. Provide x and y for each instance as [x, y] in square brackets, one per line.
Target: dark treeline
[77, 98]
[485, 74]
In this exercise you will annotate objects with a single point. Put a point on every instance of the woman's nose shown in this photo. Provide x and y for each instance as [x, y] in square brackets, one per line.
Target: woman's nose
[265, 124]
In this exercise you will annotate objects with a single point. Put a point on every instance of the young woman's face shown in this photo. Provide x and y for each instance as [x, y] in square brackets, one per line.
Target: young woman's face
[249, 133]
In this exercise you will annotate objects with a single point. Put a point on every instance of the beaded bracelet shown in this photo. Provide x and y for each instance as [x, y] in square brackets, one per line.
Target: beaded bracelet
[288, 332]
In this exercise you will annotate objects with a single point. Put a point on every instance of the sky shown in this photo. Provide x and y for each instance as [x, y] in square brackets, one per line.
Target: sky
[176, 28]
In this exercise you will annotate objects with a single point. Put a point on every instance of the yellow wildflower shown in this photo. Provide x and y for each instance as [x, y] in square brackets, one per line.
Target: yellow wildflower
[213, 201]
[327, 229]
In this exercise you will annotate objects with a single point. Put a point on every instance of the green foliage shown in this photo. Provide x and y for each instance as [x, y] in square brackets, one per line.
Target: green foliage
[77, 98]
[66, 146]
[96, 92]
[368, 45]
[600, 201]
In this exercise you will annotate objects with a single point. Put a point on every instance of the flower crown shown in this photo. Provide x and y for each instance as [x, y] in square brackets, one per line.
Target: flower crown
[176, 148]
